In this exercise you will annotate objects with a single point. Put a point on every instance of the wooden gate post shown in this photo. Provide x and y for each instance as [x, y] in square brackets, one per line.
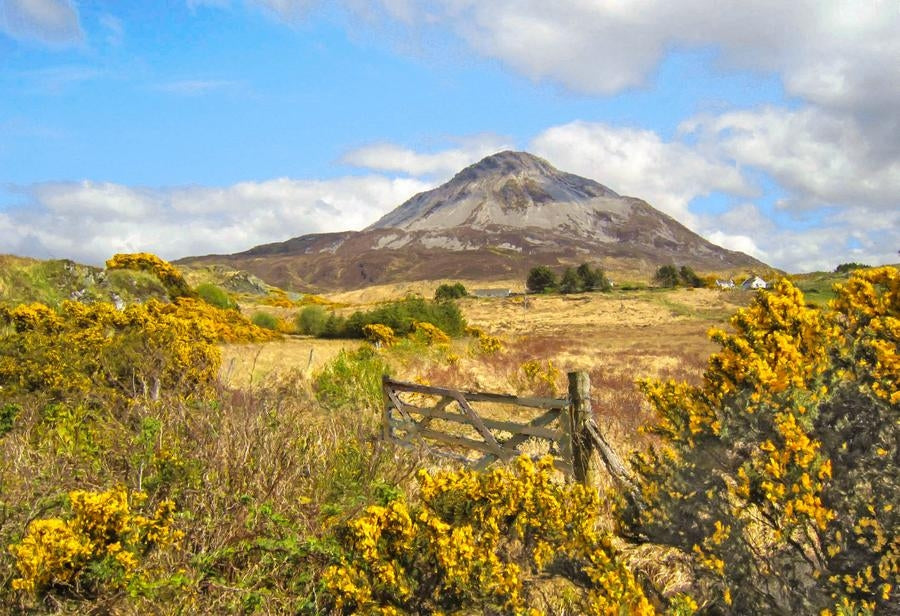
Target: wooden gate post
[386, 432]
[579, 418]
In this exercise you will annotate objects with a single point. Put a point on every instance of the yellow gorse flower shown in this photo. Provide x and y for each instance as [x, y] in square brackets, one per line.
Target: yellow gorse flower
[452, 545]
[102, 526]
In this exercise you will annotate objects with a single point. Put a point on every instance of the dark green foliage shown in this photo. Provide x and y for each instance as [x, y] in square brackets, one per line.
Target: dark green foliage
[846, 268]
[311, 321]
[571, 282]
[666, 276]
[8, 413]
[541, 279]
[689, 278]
[265, 320]
[399, 316]
[592, 279]
[215, 296]
[450, 291]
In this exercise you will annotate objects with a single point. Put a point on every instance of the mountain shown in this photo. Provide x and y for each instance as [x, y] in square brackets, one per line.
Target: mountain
[493, 220]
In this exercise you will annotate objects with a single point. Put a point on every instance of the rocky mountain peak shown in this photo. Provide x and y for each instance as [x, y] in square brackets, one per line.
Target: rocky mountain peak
[507, 189]
[506, 163]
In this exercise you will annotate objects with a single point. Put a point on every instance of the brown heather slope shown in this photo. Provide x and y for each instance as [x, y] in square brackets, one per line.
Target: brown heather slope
[494, 220]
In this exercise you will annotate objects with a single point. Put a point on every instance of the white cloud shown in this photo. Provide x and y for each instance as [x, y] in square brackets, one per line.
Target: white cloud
[845, 235]
[90, 221]
[638, 163]
[442, 164]
[53, 22]
[832, 53]
[821, 158]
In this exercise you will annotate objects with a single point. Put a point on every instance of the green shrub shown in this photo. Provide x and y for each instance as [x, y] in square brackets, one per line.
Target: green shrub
[571, 282]
[8, 413]
[311, 320]
[541, 279]
[846, 268]
[216, 296]
[593, 279]
[401, 317]
[450, 291]
[689, 278]
[265, 320]
[666, 276]
[352, 379]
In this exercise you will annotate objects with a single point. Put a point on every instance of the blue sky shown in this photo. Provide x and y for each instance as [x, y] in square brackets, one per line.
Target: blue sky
[196, 126]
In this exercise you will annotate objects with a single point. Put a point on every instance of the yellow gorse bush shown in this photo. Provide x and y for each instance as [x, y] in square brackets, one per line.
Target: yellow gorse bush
[430, 333]
[137, 351]
[475, 540]
[379, 334]
[58, 553]
[779, 471]
[487, 344]
[167, 273]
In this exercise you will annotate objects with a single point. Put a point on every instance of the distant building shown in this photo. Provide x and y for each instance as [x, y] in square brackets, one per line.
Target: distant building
[753, 283]
[725, 284]
[491, 292]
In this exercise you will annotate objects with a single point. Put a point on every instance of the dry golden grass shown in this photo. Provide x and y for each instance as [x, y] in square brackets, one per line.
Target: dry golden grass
[247, 364]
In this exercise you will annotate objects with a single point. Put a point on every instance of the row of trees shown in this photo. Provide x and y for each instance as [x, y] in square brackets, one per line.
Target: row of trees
[542, 279]
[670, 276]
[400, 316]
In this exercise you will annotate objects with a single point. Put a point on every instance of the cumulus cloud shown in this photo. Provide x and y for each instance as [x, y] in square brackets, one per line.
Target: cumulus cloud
[635, 162]
[90, 221]
[821, 158]
[835, 54]
[831, 53]
[52, 22]
[843, 236]
[441, 164]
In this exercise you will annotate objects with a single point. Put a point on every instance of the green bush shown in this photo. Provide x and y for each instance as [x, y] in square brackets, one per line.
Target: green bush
[541, 279]
[401, 317]
[311, 320]
[352, 380]
[216, 296]
[689, 278]
[666, 276]
[845, 268]
[265, 320]
[593, 279]
[450, 291]
[571, 282]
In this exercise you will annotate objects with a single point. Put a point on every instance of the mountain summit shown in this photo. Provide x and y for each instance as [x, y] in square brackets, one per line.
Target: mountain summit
[511, 189]
[493, 220]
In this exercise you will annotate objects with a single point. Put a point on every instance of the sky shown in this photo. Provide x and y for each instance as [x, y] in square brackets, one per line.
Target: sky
[189, 127]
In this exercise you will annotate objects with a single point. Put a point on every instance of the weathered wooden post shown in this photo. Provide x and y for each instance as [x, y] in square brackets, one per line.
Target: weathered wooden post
[578, 421]
[386, 432]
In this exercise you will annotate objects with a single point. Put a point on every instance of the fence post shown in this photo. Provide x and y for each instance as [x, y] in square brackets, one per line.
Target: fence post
[386, 431]
[579, 416]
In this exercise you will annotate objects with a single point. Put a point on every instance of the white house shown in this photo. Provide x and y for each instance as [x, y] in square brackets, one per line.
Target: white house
[491, 293]
[753, 283]
[725, 284]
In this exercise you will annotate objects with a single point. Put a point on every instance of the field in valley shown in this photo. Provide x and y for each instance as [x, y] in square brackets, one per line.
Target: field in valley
[153, 465]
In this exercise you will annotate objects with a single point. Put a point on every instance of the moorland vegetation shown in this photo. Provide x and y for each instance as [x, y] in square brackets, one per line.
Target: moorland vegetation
[584, 278]
[135, 481]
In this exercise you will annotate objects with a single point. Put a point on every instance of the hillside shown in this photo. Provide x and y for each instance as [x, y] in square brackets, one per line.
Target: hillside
[25, 280]
[493, 220]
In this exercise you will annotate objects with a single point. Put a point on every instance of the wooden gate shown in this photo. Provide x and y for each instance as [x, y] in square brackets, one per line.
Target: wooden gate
[445, 420]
